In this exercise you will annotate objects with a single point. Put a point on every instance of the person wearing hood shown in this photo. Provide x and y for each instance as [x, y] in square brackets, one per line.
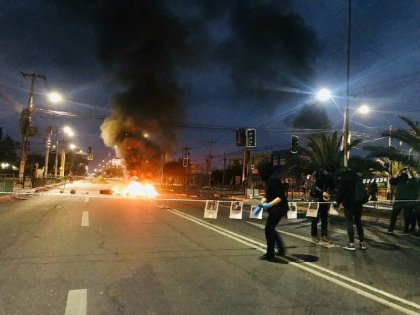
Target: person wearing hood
[324, 185]
[352, 209]
[405, 199]
[275, 202]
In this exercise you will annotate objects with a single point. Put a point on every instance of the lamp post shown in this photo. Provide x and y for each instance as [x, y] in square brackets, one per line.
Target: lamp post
[69, 132]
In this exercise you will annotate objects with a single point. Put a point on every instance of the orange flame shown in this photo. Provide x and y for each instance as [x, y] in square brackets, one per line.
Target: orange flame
[137, 189]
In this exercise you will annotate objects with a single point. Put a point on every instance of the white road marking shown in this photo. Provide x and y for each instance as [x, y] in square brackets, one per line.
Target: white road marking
[261, 226]
[87, 199]
[76, 302]
[85, 218]
[310, 267]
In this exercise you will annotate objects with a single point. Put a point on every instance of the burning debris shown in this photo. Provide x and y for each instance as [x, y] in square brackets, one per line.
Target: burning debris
[136, 189]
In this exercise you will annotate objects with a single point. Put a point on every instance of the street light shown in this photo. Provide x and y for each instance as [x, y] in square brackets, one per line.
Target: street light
[55, 97]
[364, 109]
[325, 95]
[69, 132]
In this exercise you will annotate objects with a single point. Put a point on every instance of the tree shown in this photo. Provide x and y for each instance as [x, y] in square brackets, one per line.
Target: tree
[395, 157]
[8, 150]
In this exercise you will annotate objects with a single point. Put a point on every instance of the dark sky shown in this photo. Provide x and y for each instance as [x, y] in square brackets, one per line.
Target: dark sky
[169, 67]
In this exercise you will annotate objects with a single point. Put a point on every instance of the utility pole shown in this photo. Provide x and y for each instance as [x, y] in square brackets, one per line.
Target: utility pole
[25, 125]
[47, 150]
[224, 170]
[56, 159]
[210, 157]
[346, 113]
[186, 162]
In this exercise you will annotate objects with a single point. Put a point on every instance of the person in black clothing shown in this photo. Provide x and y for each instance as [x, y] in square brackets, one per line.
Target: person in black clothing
[275, 202]
[352, 210]
[407, 192]
[324, 186]
[373, 191]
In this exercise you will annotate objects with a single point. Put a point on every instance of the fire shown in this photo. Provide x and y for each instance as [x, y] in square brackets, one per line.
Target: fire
[137, 189]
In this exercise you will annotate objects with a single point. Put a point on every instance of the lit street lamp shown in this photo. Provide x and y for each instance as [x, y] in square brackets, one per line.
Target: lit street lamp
[69, 132]
[324, 95]
[55, 97]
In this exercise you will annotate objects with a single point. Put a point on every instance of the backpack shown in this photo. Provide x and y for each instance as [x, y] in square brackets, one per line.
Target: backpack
[361, 195]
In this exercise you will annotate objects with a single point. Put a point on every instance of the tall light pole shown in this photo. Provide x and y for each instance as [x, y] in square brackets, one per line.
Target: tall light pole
[69, 132]
[25, 125]
[346, 113]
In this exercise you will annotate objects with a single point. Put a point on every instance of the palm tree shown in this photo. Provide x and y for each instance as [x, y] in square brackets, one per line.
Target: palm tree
[410, 137]
[394, 156]
[325, 150]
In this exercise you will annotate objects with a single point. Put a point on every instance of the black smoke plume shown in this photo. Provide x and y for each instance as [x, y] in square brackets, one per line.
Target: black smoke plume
[148, 43]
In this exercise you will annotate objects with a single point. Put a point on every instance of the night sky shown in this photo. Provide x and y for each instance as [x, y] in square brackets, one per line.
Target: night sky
[189, 72]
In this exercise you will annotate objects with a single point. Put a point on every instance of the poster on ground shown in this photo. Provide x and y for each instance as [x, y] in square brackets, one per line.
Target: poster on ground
[211, 209]
[236, 208]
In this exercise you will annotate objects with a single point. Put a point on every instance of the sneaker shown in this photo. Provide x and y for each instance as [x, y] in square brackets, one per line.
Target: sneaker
[267, 257]
[315, 239]
[350, 246]
[363, 245]
[326, 240]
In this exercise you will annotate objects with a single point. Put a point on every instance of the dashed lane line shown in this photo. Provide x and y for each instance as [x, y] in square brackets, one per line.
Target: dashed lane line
[85, 219]
[76, 302]
[358, 287]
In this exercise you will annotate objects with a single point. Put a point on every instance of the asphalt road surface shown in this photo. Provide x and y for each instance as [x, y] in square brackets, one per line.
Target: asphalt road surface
[87, 253]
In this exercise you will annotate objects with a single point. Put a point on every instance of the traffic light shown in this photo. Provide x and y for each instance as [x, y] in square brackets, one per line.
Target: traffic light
[250, 138]
[240, 137]
[294, 146]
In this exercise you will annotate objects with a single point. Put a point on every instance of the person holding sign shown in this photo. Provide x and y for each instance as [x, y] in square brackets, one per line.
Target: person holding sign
[275, 203]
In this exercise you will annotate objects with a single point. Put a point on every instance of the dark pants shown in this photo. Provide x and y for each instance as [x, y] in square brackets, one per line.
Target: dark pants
[271, 235]
[353, 215]
[323, 214]
[409, 216]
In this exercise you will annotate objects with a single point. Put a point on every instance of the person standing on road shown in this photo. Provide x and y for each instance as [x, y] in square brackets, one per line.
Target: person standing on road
[373, 191]
[323, 187]
[275, 202]
[352, 210]
[405, 199]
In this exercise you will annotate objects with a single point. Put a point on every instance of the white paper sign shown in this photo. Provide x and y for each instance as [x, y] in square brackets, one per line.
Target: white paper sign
[332, 210]
[292, 213]
[211, 209]
[312, 209]
[256, 212]
[236, 208]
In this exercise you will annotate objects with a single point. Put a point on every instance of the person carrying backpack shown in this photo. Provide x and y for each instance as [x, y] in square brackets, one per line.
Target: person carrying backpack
[352, 194]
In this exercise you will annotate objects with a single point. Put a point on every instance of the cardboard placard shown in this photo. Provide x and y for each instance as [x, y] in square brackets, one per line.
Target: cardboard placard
[236, 208]
[332, 210]
[292, 213]
[312, 209]
[211, 209]
[256, 212]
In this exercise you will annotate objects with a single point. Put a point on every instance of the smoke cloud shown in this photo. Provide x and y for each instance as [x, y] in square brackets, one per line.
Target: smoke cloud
[149, 43]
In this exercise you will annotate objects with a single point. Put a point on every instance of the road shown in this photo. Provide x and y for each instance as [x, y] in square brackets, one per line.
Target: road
[91, 254]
